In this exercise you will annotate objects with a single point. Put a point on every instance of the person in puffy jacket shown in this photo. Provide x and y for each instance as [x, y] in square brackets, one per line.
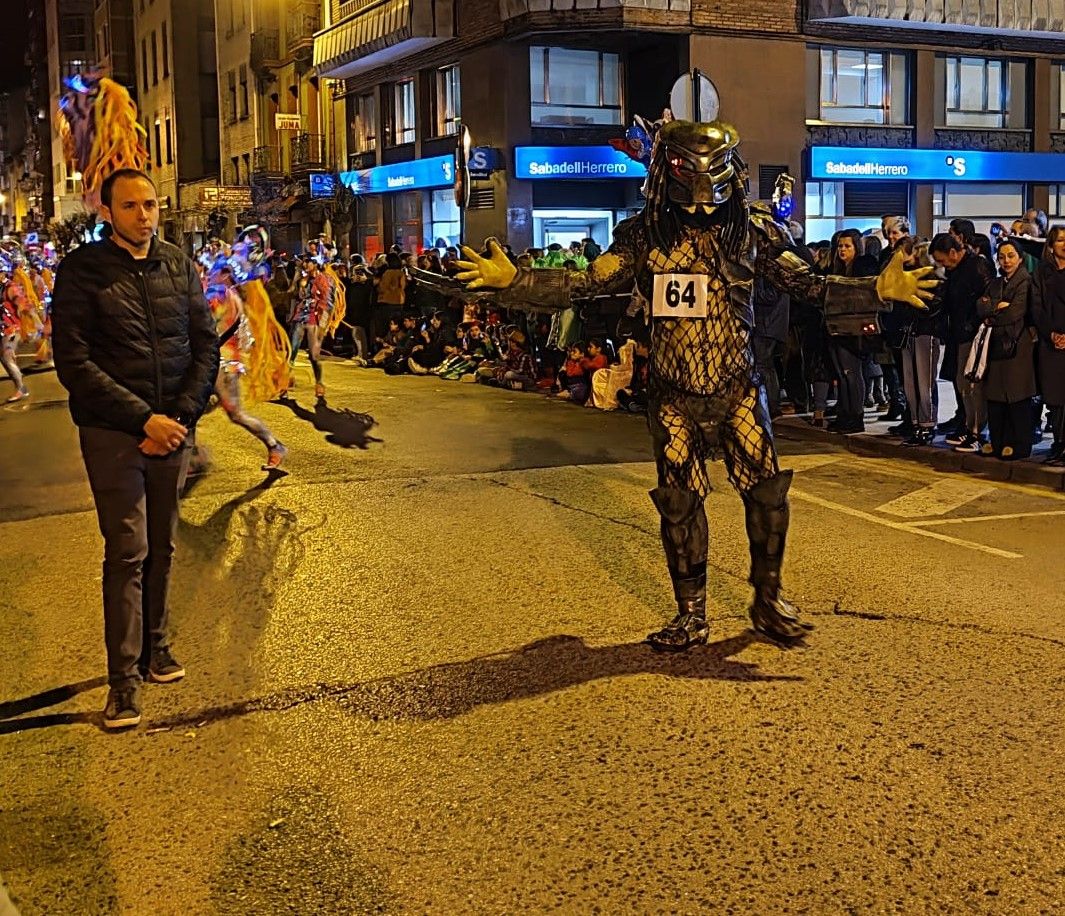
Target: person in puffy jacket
[135, 345]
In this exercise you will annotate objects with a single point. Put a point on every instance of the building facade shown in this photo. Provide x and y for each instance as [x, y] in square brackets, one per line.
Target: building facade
[176, 78]
[115, 56]
[543, 85]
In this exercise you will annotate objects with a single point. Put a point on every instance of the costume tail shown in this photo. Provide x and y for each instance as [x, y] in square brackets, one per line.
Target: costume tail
[340, 300]
[267, 372]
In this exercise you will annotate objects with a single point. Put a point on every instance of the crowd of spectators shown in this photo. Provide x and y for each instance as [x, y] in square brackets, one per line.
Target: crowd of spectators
[995, 332]
[1005, 378]
[401, 326]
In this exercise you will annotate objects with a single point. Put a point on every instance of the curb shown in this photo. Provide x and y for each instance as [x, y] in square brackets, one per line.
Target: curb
[874, 445]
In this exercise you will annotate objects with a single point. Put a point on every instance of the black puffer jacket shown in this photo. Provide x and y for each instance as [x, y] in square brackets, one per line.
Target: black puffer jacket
[132, 337]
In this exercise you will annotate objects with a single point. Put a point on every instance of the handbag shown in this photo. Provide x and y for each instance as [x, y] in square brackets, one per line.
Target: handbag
[976, 364]
[1003, 345]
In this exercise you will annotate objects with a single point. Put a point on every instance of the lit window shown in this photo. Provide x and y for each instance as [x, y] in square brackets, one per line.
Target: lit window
[861, 87]
[1058, 113]
[447, 101]
[403, 119]
[976, 92]
[363, 133]
[572, 88]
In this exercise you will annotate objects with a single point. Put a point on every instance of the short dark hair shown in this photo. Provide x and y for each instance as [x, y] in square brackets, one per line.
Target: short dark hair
[942, 242]
[965, 228]
[107, 188]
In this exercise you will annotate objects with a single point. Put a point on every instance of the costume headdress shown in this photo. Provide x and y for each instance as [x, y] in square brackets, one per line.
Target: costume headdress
[100, 132]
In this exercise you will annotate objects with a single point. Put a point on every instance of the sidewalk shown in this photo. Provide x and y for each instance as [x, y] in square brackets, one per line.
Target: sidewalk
[876, 442]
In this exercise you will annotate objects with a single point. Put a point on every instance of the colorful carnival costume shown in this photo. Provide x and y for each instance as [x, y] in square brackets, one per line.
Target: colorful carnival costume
[318, 310]
[14, 308]
[693, 253]
[254, 348]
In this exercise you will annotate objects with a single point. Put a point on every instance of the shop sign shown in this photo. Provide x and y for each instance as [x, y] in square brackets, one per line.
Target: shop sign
[322, 184]
[231, 198]
[437, 172]
[483, 161]
[570, 163]
[832, 163]
[287, 121]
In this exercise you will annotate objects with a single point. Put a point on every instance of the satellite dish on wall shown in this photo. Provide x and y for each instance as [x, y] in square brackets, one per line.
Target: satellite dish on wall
[694, 98]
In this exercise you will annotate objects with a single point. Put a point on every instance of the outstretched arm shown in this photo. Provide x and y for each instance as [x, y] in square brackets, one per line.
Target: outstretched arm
[497, 278]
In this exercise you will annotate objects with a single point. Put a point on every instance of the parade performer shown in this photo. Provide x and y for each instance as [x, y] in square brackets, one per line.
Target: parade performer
[253, 345]
[312, 317]
[14, 307]
[692, 253]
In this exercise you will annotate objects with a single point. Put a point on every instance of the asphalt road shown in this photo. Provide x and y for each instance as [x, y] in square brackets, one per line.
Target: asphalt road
[417, 684]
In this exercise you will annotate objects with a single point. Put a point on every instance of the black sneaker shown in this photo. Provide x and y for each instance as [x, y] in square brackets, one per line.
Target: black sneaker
[919, 438]
[969, 444]
[957, 437]
[164, 668]
[123, 709]
[903, 430]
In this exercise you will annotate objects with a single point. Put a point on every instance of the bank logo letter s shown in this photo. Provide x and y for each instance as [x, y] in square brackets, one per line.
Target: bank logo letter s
[959, 166]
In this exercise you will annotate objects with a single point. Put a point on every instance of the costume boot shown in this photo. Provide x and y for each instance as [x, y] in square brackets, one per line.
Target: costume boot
[684, 538]
[767, 529]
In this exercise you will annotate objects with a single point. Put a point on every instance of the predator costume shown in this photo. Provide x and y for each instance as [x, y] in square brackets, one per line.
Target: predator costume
[693, 253]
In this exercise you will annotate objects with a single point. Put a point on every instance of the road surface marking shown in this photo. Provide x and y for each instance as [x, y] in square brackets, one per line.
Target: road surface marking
[902, 526]
[808, 462]
[988, 518]
[936, 498]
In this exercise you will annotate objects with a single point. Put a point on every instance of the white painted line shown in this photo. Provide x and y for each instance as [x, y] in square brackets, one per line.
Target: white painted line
[988, 518]
[902, 526]
[808, 462]
[937, 498]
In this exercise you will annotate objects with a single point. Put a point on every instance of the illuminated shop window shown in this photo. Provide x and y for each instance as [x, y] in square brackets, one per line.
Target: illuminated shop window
[983, 203]
[572, 88]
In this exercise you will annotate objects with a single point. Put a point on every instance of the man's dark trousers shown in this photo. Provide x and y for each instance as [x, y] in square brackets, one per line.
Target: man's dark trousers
[137, 507]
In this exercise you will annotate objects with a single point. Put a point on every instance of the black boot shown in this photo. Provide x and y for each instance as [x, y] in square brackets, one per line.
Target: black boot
[685, 539]
[767, 529]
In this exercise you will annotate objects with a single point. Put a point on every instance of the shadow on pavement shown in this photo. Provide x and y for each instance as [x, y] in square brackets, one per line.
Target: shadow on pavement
[13, 708]
[47, 698]
[454, 689]
[343, 427]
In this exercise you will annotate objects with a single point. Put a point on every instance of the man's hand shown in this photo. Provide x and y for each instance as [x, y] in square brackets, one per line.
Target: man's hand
[164, 432]
[1001, 306]
[153, 449]
[897, 285]
[495, 271]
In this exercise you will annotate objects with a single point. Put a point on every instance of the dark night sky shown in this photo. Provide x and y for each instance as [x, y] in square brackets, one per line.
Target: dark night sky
[12, 70]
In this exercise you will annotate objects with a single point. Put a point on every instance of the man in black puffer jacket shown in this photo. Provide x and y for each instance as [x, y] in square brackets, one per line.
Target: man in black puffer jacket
[136, 347]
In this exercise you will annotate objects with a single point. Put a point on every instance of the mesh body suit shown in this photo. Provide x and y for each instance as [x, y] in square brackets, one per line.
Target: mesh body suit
[705, 396]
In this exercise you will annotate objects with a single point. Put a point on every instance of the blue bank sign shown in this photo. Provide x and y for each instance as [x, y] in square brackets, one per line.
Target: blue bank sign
[437, 172]
[847, 164]
[574, 163]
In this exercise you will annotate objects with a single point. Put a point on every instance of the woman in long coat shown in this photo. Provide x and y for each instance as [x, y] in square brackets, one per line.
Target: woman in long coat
[1009, 384]
[1048, 315]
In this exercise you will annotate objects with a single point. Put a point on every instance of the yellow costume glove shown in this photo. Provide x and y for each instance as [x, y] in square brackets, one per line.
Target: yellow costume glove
[495, 271]
[910, 286]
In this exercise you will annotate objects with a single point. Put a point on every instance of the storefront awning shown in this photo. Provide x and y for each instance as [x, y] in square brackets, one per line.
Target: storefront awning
[380, 32]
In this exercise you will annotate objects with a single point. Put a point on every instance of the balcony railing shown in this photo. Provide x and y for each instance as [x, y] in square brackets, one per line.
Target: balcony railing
[303, 20]
[308, 151]
[265, 51]
[988, 16]
[266, 160]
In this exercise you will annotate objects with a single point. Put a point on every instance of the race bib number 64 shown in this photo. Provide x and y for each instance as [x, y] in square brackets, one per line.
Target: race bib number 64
[679, 296]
